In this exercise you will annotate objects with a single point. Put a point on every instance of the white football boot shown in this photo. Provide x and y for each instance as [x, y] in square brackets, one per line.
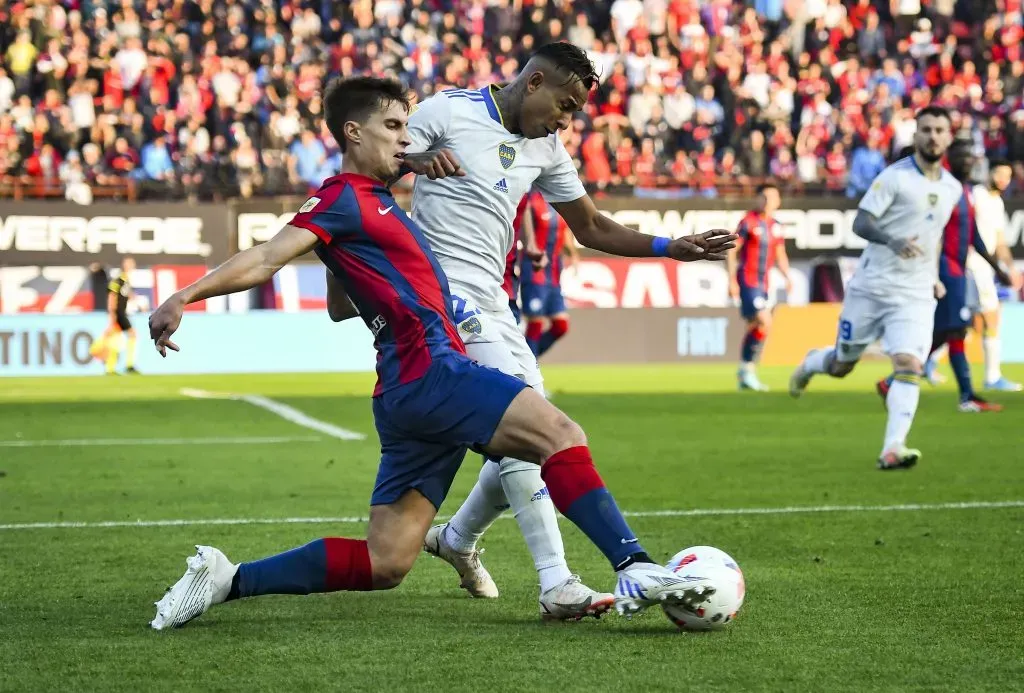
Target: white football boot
[645, 584]
[798, 381]
[475, 578]
[206, 582]
[573, 601]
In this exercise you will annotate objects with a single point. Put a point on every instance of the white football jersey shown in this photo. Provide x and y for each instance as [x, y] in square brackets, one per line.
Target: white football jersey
[990, 213]
[468, 219]
[906, 204]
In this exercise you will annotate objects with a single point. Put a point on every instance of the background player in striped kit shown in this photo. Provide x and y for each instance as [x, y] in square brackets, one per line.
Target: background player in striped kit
[952, 313]
[547, 320]
[761, 244]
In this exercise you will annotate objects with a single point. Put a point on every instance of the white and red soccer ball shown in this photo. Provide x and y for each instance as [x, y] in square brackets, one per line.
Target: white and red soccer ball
[716, 565]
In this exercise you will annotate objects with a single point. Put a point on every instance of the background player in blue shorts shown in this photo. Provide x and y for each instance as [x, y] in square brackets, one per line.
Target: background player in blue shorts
[761, 245]
[431, 402]
[547, 320]
[953, 315]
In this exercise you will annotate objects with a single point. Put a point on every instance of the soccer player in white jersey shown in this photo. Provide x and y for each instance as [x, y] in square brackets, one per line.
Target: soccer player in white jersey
[990, 212]
[478, 152]
[893, 291]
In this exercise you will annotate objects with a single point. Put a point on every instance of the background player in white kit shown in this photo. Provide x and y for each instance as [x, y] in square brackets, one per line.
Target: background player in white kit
[990, 212]
[892, 294]
[487, 148]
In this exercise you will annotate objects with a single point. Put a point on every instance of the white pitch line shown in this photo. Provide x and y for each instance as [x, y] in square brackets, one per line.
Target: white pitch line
[82, 442]
[283, 410]
[708, 512]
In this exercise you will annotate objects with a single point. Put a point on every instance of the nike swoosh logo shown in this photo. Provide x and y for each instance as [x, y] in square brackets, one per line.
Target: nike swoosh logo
[629, 541]
[382, 210]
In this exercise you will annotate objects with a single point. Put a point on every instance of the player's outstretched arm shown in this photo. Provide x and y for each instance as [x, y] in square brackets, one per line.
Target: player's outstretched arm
[246, 270]
[339, 305]
[598, 231]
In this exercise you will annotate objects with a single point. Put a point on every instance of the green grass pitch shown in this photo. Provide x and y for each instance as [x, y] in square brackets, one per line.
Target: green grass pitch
[850, 600]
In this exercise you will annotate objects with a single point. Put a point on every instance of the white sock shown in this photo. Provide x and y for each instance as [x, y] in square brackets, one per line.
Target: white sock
[479, 511]
[902, 399]
[537, 519]
[818, 360]
[993, 371]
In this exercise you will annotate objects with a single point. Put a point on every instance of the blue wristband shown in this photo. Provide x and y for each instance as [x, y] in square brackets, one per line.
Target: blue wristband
[660, 246]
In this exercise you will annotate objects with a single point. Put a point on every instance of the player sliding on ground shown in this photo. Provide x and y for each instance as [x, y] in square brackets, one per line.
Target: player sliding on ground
[952, 313]
[892, 294]
[478, 152]
[431, 402]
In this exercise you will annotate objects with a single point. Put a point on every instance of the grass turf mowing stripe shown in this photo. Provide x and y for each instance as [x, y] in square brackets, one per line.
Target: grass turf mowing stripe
[698, 512]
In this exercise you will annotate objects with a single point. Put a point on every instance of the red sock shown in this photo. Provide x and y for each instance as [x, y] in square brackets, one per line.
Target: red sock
[348, 565]
[956, 346]
[534, 329]
[559, 327]
[570, 474]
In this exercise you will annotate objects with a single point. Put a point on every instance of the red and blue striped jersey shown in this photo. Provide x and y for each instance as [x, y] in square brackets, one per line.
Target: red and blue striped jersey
[389, 272]
[960, 234]
[549, 231]
[511, 280]
[760, 237]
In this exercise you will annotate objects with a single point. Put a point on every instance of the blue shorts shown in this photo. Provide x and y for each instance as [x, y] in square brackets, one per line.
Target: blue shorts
[752, 301]
[426, 426]
[542, 300]
[951, 311]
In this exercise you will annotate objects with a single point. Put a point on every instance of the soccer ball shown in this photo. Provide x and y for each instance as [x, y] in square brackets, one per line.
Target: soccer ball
[718, 566]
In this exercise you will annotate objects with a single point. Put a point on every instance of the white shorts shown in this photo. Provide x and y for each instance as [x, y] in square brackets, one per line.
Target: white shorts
[982, 294]
[494, 339]
[904, 327]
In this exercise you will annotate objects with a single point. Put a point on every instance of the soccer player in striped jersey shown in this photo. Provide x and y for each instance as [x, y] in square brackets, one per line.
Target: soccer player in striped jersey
[547, 320]
[893, 291]
[953, 315]
[431, 403]
[761, 244]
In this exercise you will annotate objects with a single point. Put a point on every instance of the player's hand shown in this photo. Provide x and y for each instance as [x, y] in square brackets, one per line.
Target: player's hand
[940, 290]
[905, 247]
[710, 245]
[434, 164]
[163, 323]
[538, 257]
[734, 290]
[1005, 278]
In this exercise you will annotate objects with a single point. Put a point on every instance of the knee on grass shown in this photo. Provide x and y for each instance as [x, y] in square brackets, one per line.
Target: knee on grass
[389, 571]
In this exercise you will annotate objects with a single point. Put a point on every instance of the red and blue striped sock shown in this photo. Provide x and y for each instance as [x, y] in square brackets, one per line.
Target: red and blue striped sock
[753, 340]
[579, 493]
[323, 565]
[534, 332]
[961, 369]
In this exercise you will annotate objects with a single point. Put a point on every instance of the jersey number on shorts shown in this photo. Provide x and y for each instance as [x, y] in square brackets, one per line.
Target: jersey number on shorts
[845, 329]
[461, 310]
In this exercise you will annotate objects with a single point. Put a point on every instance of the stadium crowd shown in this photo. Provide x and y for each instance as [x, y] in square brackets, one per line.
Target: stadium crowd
[204, 98]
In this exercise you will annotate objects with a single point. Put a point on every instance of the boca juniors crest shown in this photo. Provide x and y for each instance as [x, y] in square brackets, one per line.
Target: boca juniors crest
[506, 155]
[933, 199]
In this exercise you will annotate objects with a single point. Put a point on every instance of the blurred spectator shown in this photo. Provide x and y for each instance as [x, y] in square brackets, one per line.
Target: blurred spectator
[211, 99]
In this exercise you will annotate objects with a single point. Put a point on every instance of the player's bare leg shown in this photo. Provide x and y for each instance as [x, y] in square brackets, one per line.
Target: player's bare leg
[753, 343]
[901, 401]
[330, 564]
[534, 429]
